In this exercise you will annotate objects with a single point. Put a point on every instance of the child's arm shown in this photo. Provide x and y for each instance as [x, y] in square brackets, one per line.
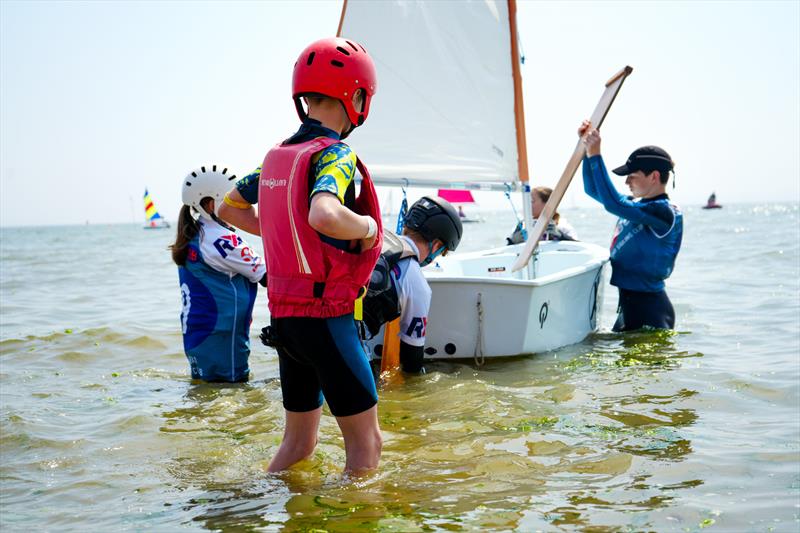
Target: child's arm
[236, 211]
[227, 252]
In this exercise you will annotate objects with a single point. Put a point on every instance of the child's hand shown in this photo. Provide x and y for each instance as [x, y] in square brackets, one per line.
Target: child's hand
[367, 243]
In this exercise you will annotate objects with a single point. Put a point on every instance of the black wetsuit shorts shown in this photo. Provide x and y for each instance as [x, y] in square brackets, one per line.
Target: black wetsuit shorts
[324, 357]
[639, 309]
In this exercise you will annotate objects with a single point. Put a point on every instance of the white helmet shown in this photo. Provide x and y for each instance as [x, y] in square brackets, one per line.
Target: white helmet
[202, 183]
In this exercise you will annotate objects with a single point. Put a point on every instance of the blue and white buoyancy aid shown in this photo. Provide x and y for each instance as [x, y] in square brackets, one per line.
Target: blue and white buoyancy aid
[642, 258]
[215, 319]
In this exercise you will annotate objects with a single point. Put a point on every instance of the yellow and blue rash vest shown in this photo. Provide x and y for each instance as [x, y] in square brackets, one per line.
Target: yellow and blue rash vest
[248, 186]
[332, 170]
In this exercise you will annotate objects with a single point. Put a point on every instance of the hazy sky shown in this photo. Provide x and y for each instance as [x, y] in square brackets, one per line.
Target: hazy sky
[99, 100]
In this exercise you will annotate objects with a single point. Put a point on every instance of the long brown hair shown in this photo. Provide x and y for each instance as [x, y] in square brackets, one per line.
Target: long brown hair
[544, 194]
[187, 230]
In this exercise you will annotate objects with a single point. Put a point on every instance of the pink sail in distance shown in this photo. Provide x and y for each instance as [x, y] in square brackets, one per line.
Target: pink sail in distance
[457, 196]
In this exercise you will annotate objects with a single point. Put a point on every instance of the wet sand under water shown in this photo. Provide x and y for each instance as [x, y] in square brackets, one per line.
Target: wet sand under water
[668, 431]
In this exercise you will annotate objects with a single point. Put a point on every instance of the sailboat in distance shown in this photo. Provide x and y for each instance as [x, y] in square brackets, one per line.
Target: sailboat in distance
[434, 60]
[712, 202]
[152, 218]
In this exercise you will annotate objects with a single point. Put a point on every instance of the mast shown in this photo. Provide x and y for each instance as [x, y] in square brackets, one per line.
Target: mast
[341, 19]
[519, 122]
[519, 108]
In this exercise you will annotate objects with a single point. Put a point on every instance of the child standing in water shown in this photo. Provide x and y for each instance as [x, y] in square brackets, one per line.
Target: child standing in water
[322, 242]
[218, 272]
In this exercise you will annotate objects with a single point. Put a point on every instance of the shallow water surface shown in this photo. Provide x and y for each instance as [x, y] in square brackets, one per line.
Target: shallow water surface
[669, 431]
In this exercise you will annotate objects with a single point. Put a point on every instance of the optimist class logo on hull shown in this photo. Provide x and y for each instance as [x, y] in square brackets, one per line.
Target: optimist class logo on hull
[272, 182]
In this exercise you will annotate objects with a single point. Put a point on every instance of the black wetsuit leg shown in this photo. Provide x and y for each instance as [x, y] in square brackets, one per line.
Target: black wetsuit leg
[323, 356]
[411, 358]
[639, 309]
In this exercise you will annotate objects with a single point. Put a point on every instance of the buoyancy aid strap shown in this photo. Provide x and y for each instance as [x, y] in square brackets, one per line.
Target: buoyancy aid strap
[358, 307]
[368, 192]
[319, 289]
[308, 288]
[362, 169]
[408, 251]
[366, 180]
[396, 247]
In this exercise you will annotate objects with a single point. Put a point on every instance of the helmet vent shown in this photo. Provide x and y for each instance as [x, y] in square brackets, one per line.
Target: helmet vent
[337, 63]
[342, 50]
[310, 58]
[202, 169]
[189, 183]
[233, 176]
[214, 168]
[224, 170]
[194, 174]
[352, 46]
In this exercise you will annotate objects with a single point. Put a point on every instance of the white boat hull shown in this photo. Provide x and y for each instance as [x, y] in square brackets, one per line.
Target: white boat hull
[480, 309]
[156, 225]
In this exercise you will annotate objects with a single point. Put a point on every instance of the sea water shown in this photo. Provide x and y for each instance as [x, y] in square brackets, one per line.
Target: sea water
[101, 428]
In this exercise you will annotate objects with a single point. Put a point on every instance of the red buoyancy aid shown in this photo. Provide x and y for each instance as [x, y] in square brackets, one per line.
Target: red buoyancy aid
[308, 277]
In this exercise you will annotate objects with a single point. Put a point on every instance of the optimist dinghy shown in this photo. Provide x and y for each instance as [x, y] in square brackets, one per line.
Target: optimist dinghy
[435, 60]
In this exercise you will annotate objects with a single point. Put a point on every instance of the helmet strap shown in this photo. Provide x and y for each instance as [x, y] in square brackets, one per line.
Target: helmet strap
[352, 126]
[432, 255]
[347, 132]
[301, 112]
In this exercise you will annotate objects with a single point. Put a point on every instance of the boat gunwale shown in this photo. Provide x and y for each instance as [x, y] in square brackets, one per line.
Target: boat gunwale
[597, 257]
[434, 277]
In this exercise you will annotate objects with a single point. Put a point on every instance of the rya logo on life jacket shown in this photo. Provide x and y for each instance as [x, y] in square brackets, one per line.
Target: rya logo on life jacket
[417, 327]
[227, 242]
[272, 182]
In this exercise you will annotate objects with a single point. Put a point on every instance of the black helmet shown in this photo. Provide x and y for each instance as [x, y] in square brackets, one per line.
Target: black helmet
[435, 218]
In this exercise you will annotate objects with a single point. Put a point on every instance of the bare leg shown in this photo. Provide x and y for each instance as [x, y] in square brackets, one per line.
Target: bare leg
[299, 439]
[362, 440]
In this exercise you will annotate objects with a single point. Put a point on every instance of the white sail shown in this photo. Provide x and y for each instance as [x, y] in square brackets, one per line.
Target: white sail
[443, 114]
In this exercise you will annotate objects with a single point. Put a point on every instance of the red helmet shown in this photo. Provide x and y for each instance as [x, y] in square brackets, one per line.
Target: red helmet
[337, 68]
